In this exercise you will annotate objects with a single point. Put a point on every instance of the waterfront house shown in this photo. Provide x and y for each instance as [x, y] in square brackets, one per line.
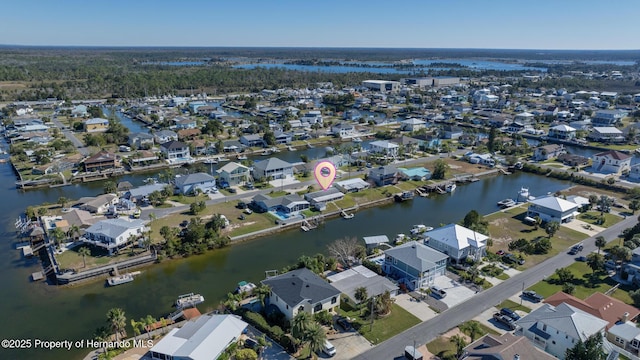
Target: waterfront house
[103, 160]
[416, 174]
[351, 185]
[199, 146]
[233, 174]
[384, 147]
[188, 134]
[524, 118]
[113, 234]
[142, 158]
[301, 290]
[558, 328]
[79, 111]
[163, 136]
[272, 168]
[611, 162]
[319, 199]
[141, 193]
[562, 132]
[599, 305]
[606, 135]
[283, 137]
[412, 124]
[204, 338]
[342, 130]
[96, 125]
[349, 280]
[252, 140]
[80, 218]
[506, 346]
[573, 160]
[175, 150]
[546, 152]
[372, 242]
[99, 204]
[312, 117]
[140, 140]
[291, 204]
[552, 208]
[458, 242]
[384, 175]
[185, 123]
[187, 184]
[414, 264]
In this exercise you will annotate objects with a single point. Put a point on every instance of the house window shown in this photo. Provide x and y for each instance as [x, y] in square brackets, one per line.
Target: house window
[334, 300]
[619, 340]
[287, 307]
[318, 307]
[544, 327]
[553, 342]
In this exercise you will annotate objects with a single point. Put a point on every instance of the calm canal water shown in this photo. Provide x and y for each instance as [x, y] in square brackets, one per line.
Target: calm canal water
[38, 310]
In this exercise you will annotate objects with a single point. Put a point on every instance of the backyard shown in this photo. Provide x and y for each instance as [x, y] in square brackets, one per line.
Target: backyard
[383, 328]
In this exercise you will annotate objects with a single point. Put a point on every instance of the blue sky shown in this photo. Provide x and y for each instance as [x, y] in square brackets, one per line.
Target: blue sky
[507, 24]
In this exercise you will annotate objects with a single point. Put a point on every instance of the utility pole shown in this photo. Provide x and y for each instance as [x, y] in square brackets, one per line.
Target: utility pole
[373, 299]
[521, 294]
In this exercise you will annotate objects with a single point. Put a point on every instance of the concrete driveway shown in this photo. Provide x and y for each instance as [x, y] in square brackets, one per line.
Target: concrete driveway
[419, 309]
[456, 292]
[348, 345]
[583, 227]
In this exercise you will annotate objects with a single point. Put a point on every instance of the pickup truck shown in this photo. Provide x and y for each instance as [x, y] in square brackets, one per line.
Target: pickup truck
[576, 249]
[505, 320]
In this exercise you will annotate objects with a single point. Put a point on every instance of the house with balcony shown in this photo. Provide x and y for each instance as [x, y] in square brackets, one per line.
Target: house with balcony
[175, 151]
[458, 242]
[606, 135]
[188, 184]
[252, 140]
[384, 175]
[558, 328]
[607, 118]
[233, 174]
[96, 125]
[384, 147]
[272, 168]
[546, 152]
[611, 162]
[552, 208]
[412, 124]
[342, 130]
[562, 132]
[301, 290]
[185, 123]
[114, 234]
[414, 264]
[163, 136]
[101, 161]
[312, 117]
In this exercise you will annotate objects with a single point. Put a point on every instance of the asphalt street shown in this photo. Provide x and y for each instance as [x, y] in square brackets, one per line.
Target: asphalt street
[429, 330]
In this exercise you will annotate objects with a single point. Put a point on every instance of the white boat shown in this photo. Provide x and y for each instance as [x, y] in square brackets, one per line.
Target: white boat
[357, 140]
[419, 229]
[506, 203]
[120, 279]
[266, 153]
[189, 300]
[345, 215]
[275, 150]
[242, 157]
[211, 161]
[451, 187]
[400, 238]
[523, 195]
[245, 287]
[291, 148]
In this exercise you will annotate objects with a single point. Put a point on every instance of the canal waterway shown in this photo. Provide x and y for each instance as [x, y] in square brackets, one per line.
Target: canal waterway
[39, 310]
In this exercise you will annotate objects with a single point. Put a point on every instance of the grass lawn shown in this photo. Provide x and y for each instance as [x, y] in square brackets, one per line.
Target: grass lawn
[347, 202]
[508, 225]
[513, 306]
[278, 193]
[502, 276]
[70, 259]
[188, 200]
[444, 348]
[383, 328]
[582, 274]
[592, 218]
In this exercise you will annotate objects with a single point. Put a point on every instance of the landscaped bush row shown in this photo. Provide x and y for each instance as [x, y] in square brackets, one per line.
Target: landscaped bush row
[274, 332]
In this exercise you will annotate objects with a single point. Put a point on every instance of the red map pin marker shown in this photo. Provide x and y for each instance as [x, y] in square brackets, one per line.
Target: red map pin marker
[325, 173]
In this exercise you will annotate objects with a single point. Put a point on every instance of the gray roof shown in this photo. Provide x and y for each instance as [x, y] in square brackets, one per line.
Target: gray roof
[146, 189]
[416, 255]
[299, 285]
[627, 331]
[166, 133]
[384, 170]
[112, 228]
[196, 178]
[359, 276]
[272, 164]
[566, 318]
[140, 135]
[374, 240]
[329, 194]
[286, 200]
[170, 145]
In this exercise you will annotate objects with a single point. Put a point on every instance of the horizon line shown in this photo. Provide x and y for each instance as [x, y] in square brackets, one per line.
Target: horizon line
[299, 47]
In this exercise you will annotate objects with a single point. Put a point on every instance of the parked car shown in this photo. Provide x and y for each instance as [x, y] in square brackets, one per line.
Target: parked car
[512, 259]
[576, 249]
[232, 190]
[241, 205]
[500, 252]
[184, 223]
[344, 323]
[328, 348]
[510, 313]
[581, 258]
[505, 320]
[438, 292]
[532, 295]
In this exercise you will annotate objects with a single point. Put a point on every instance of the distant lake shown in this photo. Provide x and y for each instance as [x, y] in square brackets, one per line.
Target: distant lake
[379, 67]
[175, 63]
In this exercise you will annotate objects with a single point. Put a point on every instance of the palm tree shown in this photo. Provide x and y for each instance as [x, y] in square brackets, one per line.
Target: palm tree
[552, 228]
[459, 343]
[63, 201]
[58, 235]
[117, 321]
[471, 328]
[84, 251]
[73, 230]
[600, 243]
[300, 324]
[315, 337]
[137, 328]
[361, 295]
[262, 291]
[383, 304]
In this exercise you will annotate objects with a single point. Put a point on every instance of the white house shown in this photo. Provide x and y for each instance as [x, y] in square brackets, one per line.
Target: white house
[301, 290]
[205, 338]
[552, 208]
[175, 151]
[634, 172]
[349, 280]
[546, 152]
[606, 134]
[343, 130]
[562, 132]
[384, 147]
[415, 264]
[112, 234]
[233, 174]
[163, 136]
[611, 162]
[556, 329]
[412, 124]
[272, 168]
[187, 184]
[458, 242]
[99, 204]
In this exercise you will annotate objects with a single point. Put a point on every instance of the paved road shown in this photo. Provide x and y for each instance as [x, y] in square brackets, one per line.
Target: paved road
[429, 330]
[71, 137]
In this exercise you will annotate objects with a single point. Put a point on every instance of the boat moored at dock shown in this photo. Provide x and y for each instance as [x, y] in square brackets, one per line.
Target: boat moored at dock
[189, 300]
